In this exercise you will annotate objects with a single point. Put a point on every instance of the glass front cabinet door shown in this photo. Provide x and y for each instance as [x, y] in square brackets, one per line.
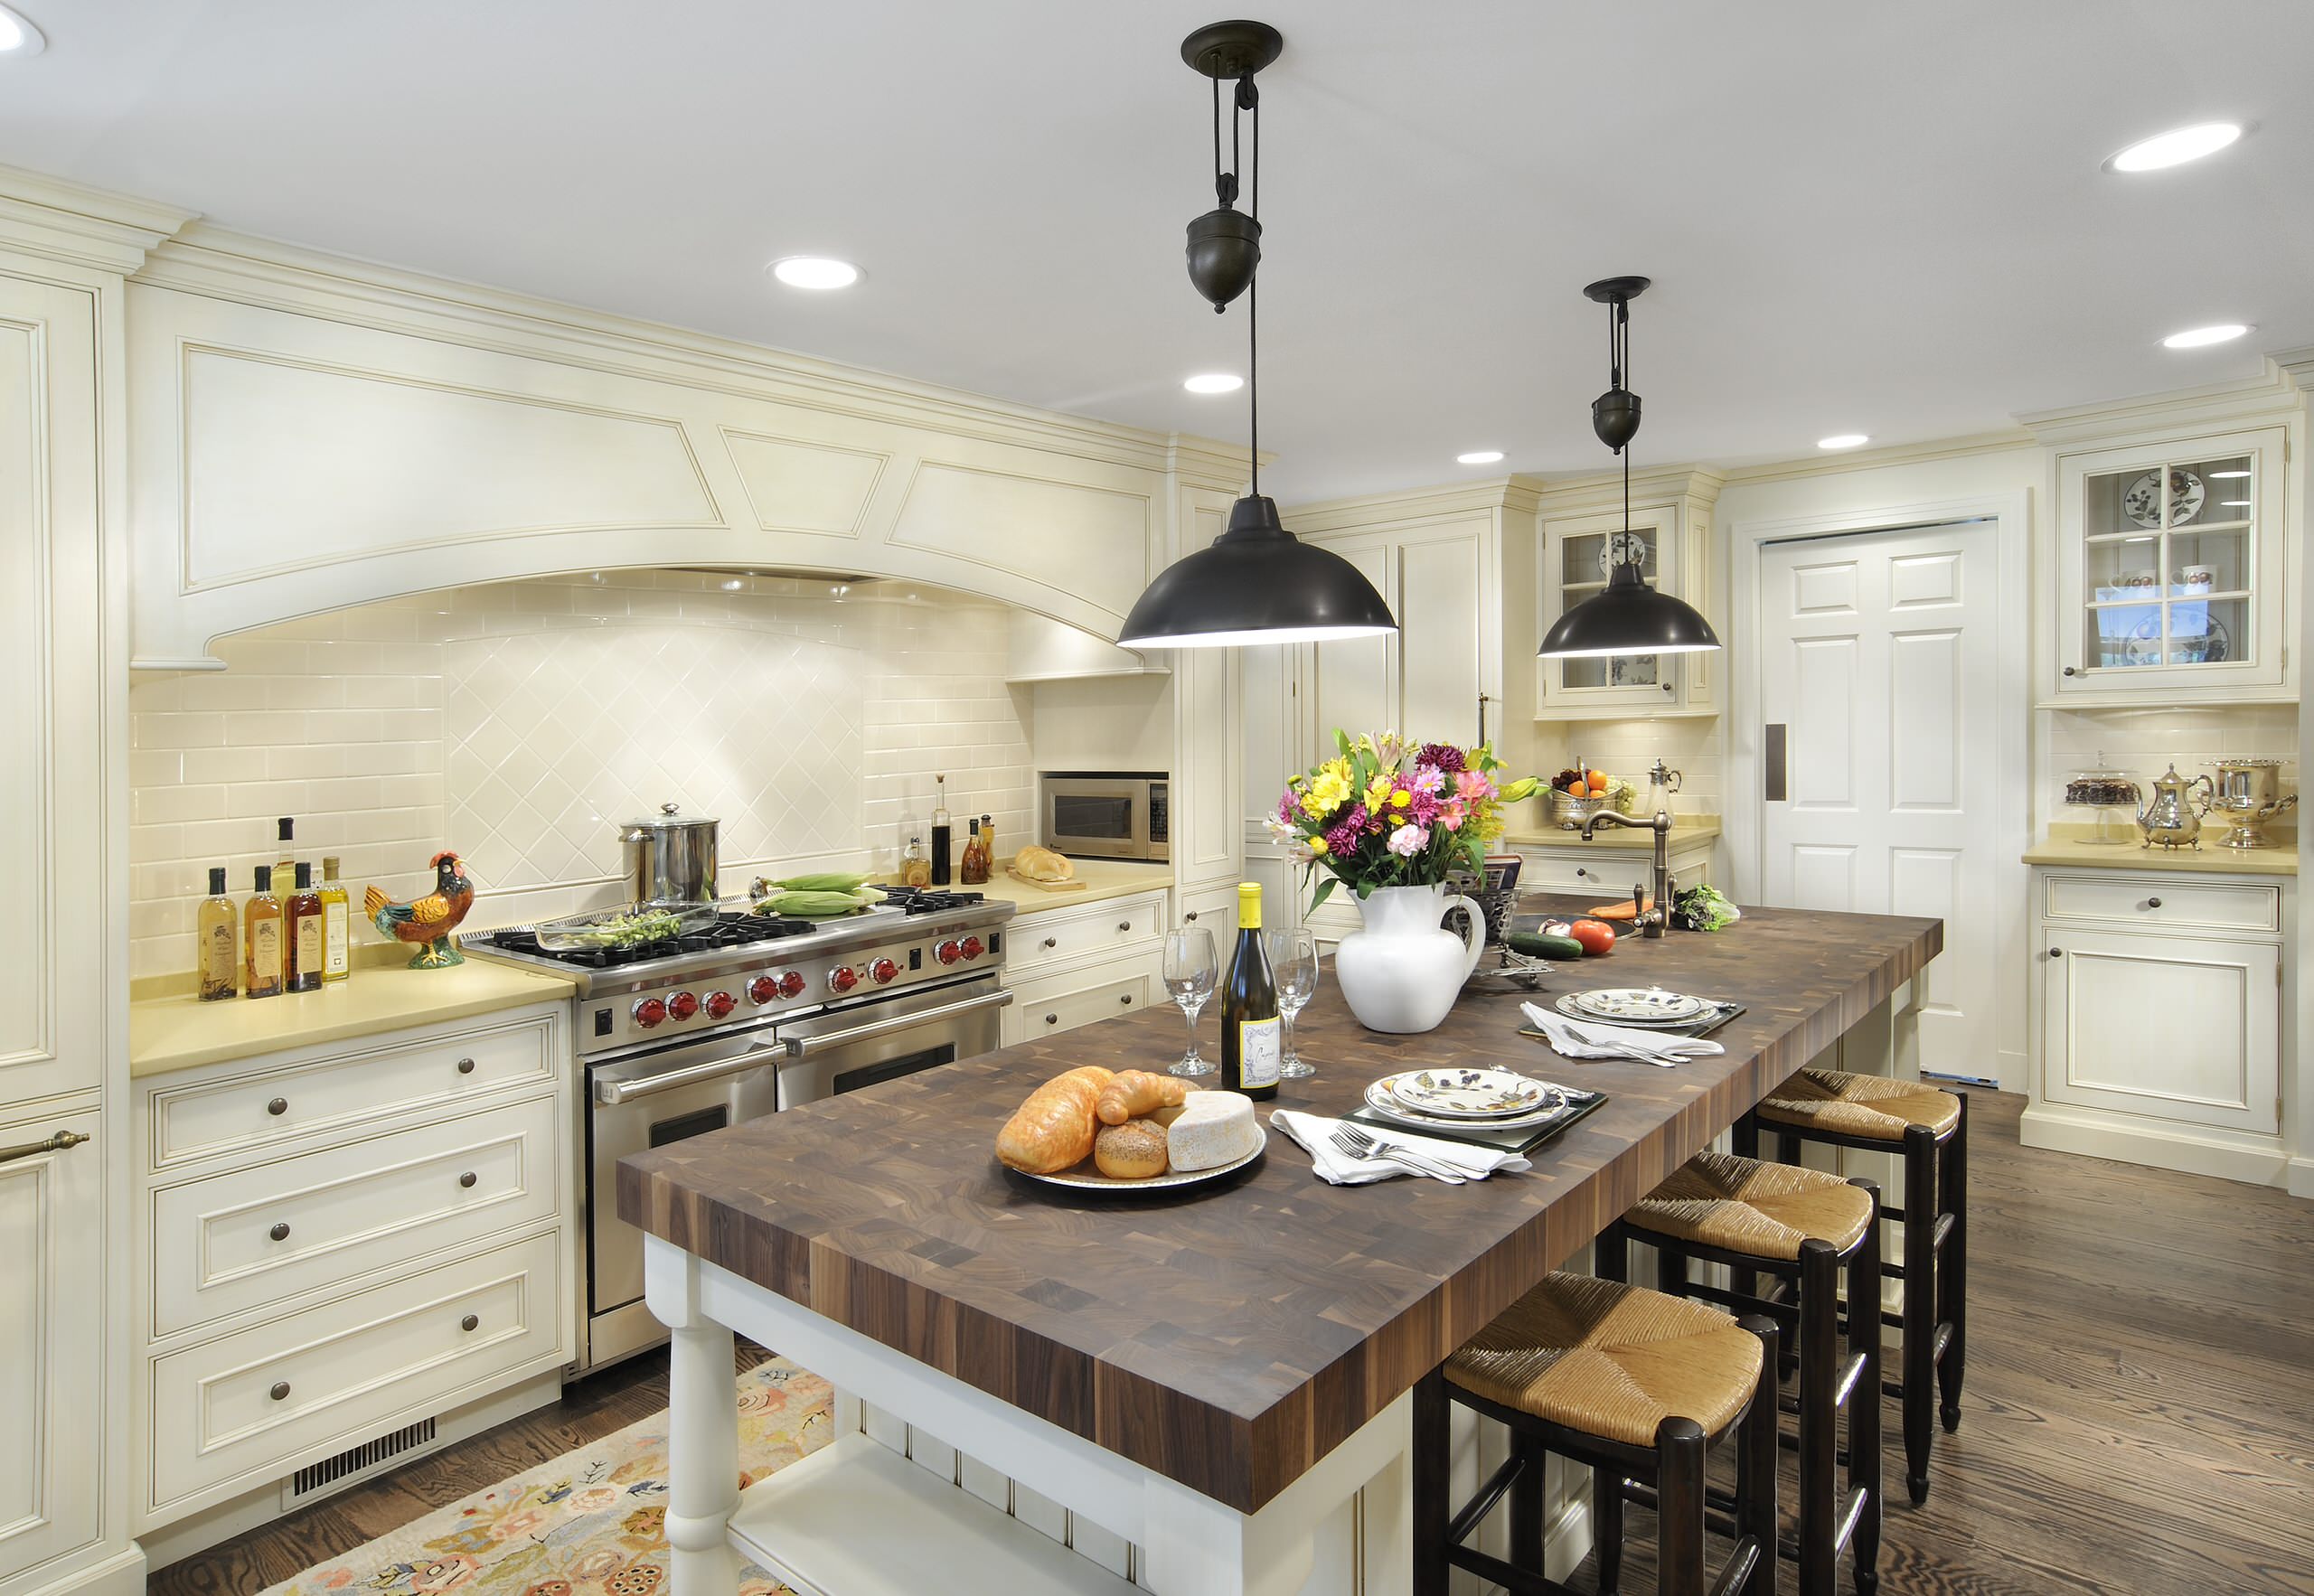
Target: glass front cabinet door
[2171, 571]
[1578, 553]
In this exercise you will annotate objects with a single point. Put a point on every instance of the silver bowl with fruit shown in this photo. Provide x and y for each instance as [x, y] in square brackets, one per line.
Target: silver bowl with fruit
[1575, 795]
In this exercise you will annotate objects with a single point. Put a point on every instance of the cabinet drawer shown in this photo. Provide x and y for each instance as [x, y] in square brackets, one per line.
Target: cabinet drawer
[1609, 876]
[253, 1404]
[345, 1089]
[1216, 910]
[2123, 903]
[261, 1235]
[1054, 935]
[1111, 992]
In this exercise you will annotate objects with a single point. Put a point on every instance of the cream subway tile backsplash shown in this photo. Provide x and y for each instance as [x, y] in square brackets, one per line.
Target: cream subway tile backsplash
[521, 721]
[2143, 742]
[1627, 748]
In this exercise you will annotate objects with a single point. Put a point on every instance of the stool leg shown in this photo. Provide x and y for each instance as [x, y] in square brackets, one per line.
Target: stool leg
[1820, 1366]
[1787, 1147]
[1920, 1306]
[1671, 1270]
[1863, 1406]
[1607, 1525]
[1952, 1268]
[1527, 1507]
[1610, 1253]
[1679, 1454]
[1430, 1462]
[1745, 1138]
[1756, 1462]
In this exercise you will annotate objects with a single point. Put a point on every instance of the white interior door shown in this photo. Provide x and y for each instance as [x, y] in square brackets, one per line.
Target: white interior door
[1877, 659]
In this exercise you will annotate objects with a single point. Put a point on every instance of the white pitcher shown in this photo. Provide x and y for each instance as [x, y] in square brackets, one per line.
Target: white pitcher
[1404, 971]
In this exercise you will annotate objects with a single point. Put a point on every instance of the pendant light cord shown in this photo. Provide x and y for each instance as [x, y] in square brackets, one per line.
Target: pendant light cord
[1245, 90]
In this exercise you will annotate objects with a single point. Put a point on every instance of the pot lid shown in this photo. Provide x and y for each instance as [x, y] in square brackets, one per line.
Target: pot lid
[670, 818]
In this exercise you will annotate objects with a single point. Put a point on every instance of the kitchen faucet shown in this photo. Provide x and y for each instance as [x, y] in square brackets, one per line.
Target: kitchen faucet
[1655, 921]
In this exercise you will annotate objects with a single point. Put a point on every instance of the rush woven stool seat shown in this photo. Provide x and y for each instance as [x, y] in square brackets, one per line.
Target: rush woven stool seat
[1928, 1129]
[1806, 1229]
[1634, 1384]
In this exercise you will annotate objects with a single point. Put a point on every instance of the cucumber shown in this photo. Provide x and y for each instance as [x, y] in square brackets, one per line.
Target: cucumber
[1535, 945]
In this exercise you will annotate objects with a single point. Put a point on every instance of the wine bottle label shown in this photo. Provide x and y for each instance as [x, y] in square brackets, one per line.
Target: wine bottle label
[1257, 1051]
[334, 939]
[265, 953]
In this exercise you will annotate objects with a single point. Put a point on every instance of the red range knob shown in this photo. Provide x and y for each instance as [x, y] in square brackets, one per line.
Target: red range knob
[763, 988]
[949, 951]
[883, 971]
[682, 1005]
[791, 985]
[719, 1004]
[648, 1012]
[973, 948]
[842, 979]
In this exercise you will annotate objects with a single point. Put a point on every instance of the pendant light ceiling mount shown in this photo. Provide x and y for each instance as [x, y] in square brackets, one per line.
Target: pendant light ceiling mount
[1256, 583]
[1614, 414]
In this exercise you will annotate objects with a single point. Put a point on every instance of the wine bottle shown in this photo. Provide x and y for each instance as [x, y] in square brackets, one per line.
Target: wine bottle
[219, 941]
[261, 939]
[285, 869]
[308, 933]
[1249, 1021]
[942, 831]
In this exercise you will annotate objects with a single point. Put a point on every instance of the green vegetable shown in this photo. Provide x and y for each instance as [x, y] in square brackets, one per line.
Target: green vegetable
[810, 906]
[824, 881]
[1538, 945]
[1703, 908]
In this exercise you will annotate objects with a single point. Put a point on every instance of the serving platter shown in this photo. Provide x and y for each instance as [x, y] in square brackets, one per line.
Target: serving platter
[1468, 1094]
[1622, 1005]
[1085, 1178]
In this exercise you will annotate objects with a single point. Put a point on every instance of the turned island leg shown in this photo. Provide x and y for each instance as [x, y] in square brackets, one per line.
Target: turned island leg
[702, 1429]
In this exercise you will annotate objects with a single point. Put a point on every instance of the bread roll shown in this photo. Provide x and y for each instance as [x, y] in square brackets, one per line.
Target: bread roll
[1053, 1130]
[1042, 864]
[1134, 1150]
[1136, 1093]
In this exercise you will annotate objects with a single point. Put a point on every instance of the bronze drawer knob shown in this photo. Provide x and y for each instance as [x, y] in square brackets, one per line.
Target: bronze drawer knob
[465, 1066]
[1124, 925]
[1052, 942]
[1190, 915]
[2056, 952]
[471, 1321]
[280, 1392]
[279, 1233]
[468, 1179]
[2153, 902]
[279, 1105]
[1052, 1019]
[1126, 999]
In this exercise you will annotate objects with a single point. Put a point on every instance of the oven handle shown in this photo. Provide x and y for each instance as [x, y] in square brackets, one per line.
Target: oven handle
[611, 1093]
[804, 1046]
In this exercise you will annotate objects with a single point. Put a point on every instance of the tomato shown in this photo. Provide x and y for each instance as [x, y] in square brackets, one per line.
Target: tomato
[1595, 935]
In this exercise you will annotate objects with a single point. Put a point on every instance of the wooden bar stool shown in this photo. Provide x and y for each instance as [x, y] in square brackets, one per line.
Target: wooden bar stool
[1929, 1129]
[1634, 1384]
[1807, 1229]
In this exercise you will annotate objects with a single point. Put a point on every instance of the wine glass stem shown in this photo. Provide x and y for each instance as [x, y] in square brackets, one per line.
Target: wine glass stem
[1188, 1011]
[1289, 1014]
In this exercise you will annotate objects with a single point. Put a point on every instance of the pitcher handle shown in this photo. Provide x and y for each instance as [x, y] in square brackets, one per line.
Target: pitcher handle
[1473, 931]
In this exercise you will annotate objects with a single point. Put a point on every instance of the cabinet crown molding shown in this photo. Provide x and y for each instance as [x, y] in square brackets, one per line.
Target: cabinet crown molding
[2274, 393]
[1516, 494]
[1604, 490]
[47, 216]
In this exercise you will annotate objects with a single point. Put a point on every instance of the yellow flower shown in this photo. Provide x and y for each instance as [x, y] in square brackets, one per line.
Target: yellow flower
[1399, 800]
[1327, 793]
[1317, 845]
[1378, 796]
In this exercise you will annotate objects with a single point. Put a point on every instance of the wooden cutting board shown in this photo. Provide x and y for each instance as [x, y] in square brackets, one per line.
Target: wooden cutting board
[1069, 885]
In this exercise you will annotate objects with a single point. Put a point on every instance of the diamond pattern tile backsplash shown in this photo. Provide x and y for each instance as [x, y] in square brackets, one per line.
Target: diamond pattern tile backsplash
[522, 722]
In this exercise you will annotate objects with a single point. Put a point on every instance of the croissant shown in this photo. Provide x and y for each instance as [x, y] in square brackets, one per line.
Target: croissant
[1137, 1094]
[1053, 1130]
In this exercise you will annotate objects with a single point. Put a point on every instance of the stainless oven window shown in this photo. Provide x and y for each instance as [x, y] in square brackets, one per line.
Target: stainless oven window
[1093, 817]
[893, 1069]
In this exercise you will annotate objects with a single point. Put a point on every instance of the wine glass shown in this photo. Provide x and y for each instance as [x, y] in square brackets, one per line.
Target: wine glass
[1294, 966]
[1191, 967]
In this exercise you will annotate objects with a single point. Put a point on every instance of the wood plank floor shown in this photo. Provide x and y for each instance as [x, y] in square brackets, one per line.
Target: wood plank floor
[2140, 1410]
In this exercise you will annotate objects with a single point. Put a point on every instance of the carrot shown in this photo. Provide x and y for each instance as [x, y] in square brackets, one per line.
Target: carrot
[1619, 911]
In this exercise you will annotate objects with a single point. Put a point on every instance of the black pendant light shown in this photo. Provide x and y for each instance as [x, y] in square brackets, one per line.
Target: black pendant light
[1627, 616]
[1256, 582]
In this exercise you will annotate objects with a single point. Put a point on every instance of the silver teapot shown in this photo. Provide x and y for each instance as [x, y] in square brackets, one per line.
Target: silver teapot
[2171, 817]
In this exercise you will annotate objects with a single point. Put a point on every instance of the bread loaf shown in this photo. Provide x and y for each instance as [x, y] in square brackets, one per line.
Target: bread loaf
[1053, 1130]
[1136, 1093]
[1213, 1129]
[1042, 864]
[1134, 1150]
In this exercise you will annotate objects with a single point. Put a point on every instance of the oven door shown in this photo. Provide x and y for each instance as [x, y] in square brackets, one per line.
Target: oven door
[1097, 817]
[639, 1102]
[865, 1046]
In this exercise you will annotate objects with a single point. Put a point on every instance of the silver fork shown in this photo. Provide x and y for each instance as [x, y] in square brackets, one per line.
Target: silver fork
[1358, 1144]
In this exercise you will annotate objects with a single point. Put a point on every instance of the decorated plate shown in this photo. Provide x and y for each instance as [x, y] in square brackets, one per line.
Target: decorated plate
[1380, 1099]
[1085, 1178]
[2143, 503]
[1647, 1004]
[1710, 1010]
[1468, 1094]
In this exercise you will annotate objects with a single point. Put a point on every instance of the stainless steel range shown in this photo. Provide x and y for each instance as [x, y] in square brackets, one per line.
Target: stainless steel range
[684, 1036]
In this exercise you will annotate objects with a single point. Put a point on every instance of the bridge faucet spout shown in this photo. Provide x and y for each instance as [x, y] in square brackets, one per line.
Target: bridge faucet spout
[1653, 922]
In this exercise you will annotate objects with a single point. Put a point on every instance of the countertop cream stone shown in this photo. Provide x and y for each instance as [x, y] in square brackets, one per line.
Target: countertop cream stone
[2208, 859]
[1687, 830]
[169, 1028]
[1102, 878]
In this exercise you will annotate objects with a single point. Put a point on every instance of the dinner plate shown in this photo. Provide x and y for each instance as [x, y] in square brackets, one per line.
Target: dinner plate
[1468, 1094]
[1625, 1003]
[1085, 1178]
[1567, 1009]
[1379, 1099]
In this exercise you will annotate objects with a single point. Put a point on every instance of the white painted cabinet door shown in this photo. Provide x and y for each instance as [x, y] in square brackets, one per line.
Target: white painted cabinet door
[51, 1234]
[51, 1035]
[1445, 634]
[2164, 1027]
[1354, 682]
[1207, 815]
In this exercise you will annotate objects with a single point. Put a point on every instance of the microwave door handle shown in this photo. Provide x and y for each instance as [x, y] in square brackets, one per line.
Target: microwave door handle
[804, 1046]
[611, 1093]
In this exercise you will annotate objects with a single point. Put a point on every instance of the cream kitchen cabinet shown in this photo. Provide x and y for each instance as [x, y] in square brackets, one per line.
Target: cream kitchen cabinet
[1069, 967]
[2161, 1006]
[1584, 535]
[1608, 874]
[1208, 790]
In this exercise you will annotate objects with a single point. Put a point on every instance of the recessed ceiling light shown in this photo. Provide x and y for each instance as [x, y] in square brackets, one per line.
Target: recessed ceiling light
[1478, 458]
[2201, 337]
[17, 34]
[818, 272]
[2175, 148]
[1844, 440]
[1214, 382]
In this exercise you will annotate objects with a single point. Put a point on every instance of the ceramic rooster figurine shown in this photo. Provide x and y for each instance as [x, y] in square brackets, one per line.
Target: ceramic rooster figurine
[430, 920]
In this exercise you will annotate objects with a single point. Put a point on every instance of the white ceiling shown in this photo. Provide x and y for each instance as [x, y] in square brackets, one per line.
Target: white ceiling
[1879, 218]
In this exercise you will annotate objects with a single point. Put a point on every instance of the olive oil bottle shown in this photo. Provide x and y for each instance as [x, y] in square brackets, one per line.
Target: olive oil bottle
[261, 940]
[1250, 1028]
[335, 916]
[217, 936]
[307, 934]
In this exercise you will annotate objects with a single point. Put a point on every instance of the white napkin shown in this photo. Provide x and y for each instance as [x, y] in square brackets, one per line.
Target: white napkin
[1314, 1133]
[1577, 1039]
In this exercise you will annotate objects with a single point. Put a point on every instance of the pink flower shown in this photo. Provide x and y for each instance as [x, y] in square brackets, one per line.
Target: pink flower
[1424, 807]
[1286, 810]
[1444, 755]
[1473, 783]
[1427, 778]
[1451, 814]
[1408, 841]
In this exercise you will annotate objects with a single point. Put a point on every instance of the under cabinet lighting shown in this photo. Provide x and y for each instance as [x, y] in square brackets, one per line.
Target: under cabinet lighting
[1478, 458]
[2226, 476]
[816, 272]
[1214, 382]
[1844, 440]
[2234, 503]
[2202, 337]
[2175, 148]
[17, 34]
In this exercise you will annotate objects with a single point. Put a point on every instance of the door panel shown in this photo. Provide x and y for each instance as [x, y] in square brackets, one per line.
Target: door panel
[2177, 1031]
[52, 1231]
[1439, 584]
[1877, 655]
[1352, 677]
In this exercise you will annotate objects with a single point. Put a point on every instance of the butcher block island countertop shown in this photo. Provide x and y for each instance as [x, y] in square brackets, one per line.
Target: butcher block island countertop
[1230, 1337]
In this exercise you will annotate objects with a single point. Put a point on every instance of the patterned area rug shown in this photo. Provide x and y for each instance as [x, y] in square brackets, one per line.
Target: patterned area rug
[587, 1524]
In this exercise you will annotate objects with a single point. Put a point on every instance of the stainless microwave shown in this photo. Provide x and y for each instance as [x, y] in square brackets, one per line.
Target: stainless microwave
[1105, 814]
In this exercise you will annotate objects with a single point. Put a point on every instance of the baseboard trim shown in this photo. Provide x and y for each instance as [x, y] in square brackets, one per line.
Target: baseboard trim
[120, 1574]
[2301, 1178]
[2252, 1160]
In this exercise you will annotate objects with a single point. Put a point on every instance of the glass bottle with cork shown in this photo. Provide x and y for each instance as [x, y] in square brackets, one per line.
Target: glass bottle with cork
[942, 832]
[307, 934]
[1250, 1050]
[285, 869]
[261, 939]
[337, 918]
[974, 871]
[916, 870]
[217, 937]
